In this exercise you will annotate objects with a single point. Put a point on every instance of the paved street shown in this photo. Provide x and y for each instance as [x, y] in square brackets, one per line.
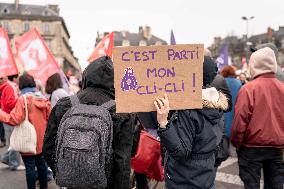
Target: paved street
[227, 177]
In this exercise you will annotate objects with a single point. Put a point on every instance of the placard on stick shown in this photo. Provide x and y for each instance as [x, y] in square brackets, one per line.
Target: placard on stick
[143, 73]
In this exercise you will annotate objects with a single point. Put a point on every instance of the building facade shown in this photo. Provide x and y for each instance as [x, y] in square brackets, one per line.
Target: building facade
[144, 37]
[240, 47]
[19, 18]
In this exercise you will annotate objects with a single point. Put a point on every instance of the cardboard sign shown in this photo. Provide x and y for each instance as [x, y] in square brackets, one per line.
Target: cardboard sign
[143, 73]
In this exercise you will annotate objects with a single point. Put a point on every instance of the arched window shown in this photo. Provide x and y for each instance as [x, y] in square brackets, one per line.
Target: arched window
[46, 28]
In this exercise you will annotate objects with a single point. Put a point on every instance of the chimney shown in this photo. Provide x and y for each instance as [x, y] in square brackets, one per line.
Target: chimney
[217, 40]
[269, 33]
[147, 32]
[54, 8]
[140, 29]
[17, 4]
[123, 33]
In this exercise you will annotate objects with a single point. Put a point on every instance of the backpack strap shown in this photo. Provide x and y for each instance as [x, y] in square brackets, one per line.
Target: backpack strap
[74, 100]
[108, 105]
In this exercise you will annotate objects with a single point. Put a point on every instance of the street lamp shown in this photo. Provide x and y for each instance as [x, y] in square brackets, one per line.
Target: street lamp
[247, 19]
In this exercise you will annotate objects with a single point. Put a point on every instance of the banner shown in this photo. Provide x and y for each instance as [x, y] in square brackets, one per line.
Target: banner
[103, 48]
[7, 62]
[35, 56]
[143, 73]
[223, 58]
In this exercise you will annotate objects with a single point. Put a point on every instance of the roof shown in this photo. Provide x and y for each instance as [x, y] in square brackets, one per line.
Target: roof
[36, 10]
[135, 38]
[280, 32]
[263, 37]
[30, 12]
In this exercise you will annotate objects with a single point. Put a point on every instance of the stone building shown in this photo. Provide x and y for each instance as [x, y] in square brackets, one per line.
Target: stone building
[144, 37]
[239, 47]
[272, 36]
[19, 18]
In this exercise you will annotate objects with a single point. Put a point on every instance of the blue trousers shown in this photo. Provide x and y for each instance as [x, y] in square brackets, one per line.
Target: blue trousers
[35, 161]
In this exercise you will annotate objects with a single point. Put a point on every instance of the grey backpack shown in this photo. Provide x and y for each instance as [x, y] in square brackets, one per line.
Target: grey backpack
[84, 146]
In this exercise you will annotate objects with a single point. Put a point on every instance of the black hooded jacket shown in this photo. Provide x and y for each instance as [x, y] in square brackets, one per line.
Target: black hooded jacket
[97, 88]
[190, 139]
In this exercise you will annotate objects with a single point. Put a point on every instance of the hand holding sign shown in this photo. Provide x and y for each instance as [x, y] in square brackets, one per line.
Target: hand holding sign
[163, 108]
[141, 74]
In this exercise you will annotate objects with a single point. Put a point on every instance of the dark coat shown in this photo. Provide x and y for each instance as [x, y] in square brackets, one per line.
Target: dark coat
[97, 89]
[220, 84]
[190, 139]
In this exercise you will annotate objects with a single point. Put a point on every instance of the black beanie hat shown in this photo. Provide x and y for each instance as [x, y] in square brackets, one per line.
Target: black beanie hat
[209, 70]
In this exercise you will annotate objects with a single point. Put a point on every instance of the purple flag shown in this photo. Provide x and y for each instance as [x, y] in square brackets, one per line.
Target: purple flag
[173, 40]
[64, 82]
[223, 58]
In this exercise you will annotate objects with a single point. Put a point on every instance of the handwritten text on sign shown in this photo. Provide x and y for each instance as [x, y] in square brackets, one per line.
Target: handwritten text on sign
[144, 73]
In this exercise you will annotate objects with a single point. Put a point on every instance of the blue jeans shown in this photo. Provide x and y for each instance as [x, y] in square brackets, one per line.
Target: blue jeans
[11, 157]
[2, 133]
[49, 174]
[35, 161]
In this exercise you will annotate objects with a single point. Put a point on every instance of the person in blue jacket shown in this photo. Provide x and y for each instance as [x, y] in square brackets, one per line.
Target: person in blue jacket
[229, 73]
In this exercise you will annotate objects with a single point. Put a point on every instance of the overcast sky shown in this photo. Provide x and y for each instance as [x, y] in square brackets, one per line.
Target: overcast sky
[196, 21]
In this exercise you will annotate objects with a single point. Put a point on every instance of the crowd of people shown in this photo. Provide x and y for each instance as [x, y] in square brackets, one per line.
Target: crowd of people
[83, 143]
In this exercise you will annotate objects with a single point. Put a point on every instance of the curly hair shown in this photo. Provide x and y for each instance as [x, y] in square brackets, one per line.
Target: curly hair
[228, 71]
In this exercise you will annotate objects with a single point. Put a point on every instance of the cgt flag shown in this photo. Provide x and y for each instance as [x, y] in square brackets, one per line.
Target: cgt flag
[103, 48]
[223, 58]
[35, 56]
[7, 61]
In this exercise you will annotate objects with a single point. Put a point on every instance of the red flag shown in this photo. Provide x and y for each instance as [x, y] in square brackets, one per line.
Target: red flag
[35, 56]
[7, 61]
[103, 48]
[244, 60]
[244, 63]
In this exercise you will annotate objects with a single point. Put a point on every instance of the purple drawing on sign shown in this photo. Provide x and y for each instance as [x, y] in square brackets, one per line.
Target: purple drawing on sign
[128, 81]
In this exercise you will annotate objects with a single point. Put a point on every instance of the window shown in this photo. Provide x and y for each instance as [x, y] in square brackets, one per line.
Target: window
[46, 13]
[26, 27]
[26, 11]
[125, 43]
[48, 43]
[46, 28]
[142, 43]
[5, 11]
[6, 26]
